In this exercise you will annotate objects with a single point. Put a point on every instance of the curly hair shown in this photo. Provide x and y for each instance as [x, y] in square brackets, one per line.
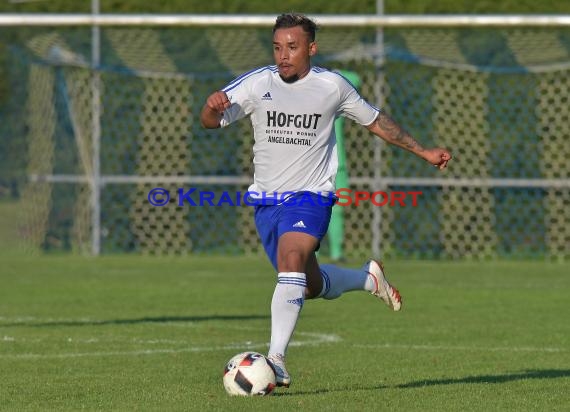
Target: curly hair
[288, 20]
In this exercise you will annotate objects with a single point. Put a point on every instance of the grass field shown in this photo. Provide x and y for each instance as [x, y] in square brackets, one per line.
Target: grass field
[133, 333]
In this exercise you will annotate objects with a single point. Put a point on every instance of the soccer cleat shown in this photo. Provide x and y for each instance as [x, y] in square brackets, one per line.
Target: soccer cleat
[282, 378]
[383, 289]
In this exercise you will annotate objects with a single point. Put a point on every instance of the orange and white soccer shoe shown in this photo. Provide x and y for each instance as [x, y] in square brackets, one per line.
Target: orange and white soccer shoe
[383, 289]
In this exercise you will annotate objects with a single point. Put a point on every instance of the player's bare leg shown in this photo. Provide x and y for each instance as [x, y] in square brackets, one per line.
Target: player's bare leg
[314, 277]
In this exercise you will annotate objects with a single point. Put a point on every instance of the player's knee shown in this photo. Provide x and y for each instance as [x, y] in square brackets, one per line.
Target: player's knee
[292, 261]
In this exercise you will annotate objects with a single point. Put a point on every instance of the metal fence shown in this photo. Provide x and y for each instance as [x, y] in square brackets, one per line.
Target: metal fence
[108, 114]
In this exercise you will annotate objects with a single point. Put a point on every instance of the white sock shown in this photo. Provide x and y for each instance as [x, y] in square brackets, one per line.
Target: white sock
[337, 280]
[288, 299]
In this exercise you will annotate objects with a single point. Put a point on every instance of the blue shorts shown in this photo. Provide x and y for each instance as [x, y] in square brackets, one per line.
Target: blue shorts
[304, 212]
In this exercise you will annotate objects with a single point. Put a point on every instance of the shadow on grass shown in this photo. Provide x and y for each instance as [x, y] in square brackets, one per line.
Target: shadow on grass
[158, 319]
[322, 391]
[528, 374]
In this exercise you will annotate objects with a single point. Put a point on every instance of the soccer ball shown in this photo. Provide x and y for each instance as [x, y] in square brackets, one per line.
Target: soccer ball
[249, 374]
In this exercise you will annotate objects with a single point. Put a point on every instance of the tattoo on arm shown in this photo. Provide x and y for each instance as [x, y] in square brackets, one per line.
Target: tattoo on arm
[396, 134]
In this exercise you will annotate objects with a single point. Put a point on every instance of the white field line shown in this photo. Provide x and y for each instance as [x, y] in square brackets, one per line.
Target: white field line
[317, 339]
[461, 348]
[313, 339]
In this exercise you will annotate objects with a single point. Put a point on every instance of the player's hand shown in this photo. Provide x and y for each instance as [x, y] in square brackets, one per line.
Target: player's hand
[437, 157]
[218, 102]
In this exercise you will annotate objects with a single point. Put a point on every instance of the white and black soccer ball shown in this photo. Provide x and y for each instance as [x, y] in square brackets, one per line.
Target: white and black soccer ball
[249, 374]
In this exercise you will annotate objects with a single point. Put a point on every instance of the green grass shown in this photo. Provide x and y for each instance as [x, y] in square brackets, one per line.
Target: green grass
[132, 333]
[10, 240]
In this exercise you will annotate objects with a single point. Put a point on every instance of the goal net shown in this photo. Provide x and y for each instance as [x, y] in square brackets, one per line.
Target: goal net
[76, 136]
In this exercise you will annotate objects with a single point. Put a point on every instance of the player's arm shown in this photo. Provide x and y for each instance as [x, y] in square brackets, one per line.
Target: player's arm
[387, 129]
[213, 109]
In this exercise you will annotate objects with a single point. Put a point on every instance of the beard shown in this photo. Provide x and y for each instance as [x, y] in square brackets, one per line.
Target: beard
[290, 79]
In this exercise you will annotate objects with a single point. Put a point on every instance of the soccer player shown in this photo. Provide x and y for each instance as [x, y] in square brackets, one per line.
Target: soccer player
[292, 106]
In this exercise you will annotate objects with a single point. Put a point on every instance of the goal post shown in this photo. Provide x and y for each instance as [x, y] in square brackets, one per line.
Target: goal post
[104, 124]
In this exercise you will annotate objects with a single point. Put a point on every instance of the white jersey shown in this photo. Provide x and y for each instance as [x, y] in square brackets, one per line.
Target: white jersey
[293, 126]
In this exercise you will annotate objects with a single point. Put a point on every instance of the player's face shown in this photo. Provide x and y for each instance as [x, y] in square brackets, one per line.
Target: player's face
[292, 50]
